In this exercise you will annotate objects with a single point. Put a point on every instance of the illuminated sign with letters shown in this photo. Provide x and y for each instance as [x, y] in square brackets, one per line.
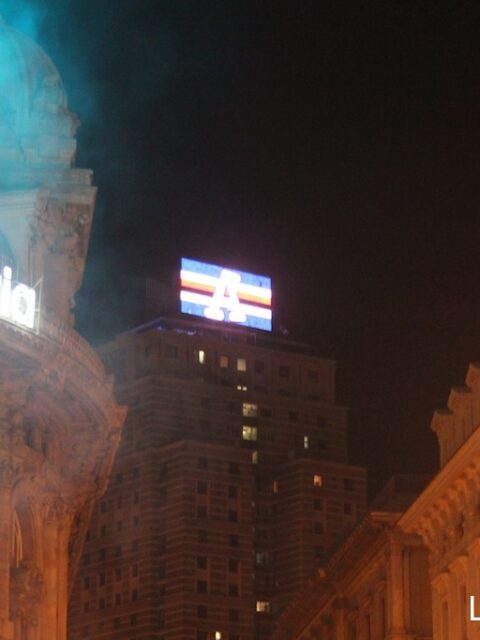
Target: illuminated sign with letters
[226, 295]
[17, 301]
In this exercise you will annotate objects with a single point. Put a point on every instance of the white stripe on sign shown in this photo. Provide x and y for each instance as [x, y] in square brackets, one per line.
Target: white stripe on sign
[250, 310]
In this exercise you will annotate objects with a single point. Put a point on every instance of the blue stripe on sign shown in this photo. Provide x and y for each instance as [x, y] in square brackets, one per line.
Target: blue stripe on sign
[198, 310]
[214, 271]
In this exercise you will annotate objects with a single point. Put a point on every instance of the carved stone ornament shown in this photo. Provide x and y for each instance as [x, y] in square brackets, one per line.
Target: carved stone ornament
[27, 592]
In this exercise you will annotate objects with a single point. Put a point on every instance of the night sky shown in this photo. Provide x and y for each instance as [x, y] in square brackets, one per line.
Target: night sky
[332, 145]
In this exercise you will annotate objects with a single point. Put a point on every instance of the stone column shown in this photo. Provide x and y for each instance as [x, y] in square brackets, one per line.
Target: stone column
[51, 555]
[62, 574]
[396, 593]
[340, 624]
[7, 474]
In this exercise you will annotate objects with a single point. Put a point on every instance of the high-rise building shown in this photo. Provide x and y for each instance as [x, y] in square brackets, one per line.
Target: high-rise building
[230, 485]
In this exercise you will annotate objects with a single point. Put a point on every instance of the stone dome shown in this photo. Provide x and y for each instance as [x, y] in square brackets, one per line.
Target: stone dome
[35, 124]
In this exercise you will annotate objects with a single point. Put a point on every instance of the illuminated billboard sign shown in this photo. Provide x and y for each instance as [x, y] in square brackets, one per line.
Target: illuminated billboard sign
[226, 295]
[17, 301]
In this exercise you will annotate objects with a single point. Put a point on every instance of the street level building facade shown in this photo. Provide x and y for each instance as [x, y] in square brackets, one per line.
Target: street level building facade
[231, 484]
[59, 422]
[422, 560]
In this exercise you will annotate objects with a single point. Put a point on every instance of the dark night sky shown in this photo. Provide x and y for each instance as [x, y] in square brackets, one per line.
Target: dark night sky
[333, 145]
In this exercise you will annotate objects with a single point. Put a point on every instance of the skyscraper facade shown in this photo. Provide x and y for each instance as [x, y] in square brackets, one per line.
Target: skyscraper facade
[230, 485]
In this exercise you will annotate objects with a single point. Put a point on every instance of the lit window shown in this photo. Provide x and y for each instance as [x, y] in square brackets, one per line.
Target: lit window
[305, 442]
[254, 457]
[249, 433]
[275, 486]
[318, 480]
[242, 387]
[263, 606]
[241, 364]
[201, 356]
[223, 362]
[218, 635]
[261, 557]
[249, 410]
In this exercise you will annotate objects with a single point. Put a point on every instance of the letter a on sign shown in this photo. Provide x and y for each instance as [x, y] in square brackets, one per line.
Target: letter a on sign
[225, 297]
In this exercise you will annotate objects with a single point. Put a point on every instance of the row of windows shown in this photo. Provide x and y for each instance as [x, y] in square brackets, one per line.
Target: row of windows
[259, 366]
[215, 635]
[115, 552]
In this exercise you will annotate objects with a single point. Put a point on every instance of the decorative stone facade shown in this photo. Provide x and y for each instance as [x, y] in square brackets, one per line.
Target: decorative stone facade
[436, 541]
[59, 423]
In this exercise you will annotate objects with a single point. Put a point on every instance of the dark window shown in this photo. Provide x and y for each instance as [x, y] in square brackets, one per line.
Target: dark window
[205, 403]
[233, 590]
[202, 487]
[102, 554]
[347, 508]
[312, 376]
[233, 467]
[202, 635]
[86, 583]
[284, 371]
[136, 473]
[348, 484]
[134, 595]
[233, 565]
[202, 612]
[202, 463]
[116, 623]
[232, 516]
[119, 478]
[293, 416]
[101, 603]
[233, 615]
[201, 511]
[202, 562]
[136, 497]
[202, 586]
[135, 545]
[202, 535]
[232, 492]
[259, 366]
[103, 507]
[118, 574]
[118, 598]
[133, 619]
[171, 351]
[318, 504]
[266, 413]
[101, 579]
[233, 540]
[321, 422]
[317, 527]
[134, 570]
[322, 445]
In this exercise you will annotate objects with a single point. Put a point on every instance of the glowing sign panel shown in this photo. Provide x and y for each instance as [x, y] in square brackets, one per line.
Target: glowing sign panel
[225, 295]
[17, 303]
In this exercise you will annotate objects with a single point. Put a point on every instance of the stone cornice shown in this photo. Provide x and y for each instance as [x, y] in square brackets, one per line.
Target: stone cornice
[453, 471]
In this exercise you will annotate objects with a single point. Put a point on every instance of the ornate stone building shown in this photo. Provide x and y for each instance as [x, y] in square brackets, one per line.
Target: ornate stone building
[429, 555]
[447, 514]
[59, 423]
